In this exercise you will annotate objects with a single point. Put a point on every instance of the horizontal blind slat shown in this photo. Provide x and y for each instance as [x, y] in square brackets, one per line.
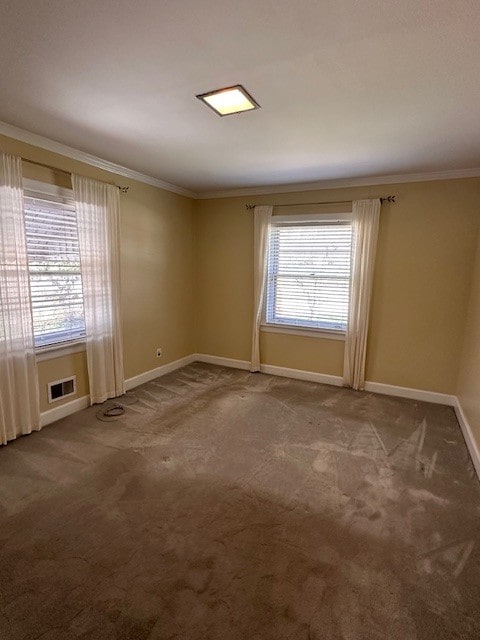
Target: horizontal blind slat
[55, 274]
[308, 274]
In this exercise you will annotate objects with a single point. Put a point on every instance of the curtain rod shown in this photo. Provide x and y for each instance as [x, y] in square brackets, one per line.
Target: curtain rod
[298, 204]
[68, 173]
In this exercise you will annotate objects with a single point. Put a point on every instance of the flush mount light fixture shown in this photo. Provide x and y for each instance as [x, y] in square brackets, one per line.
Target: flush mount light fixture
[229, 100]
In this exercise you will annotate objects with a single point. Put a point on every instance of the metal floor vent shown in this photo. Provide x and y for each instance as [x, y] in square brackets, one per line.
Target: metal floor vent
[62, 388]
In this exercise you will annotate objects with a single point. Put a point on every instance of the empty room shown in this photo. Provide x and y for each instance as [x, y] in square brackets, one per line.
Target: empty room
[240, 320]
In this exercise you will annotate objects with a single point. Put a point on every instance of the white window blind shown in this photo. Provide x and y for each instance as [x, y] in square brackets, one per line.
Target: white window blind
[54, 266]
[308, 275]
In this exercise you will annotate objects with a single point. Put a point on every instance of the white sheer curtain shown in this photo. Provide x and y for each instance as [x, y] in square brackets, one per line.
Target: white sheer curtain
[98, 212]
[19, 403]
[366, 214]
[262, 217]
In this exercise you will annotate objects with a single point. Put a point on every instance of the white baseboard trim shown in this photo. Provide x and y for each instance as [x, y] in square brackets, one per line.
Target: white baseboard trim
[64, 410]
[373, 387]
[298, 374]
[146, 376]
[323, 378]
[222, 362]
[469, 438]
[412, 394]
[273, 370]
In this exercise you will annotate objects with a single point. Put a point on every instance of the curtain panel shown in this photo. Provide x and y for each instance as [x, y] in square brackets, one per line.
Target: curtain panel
[262, 217]
[366, 215]
[19, 397]
[98, 219]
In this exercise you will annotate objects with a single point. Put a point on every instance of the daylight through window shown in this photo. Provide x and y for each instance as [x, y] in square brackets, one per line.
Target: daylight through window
[308, 277]
[54, 266]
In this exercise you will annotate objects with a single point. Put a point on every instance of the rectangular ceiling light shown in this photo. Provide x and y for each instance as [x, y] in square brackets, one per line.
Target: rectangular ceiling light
[230, 100]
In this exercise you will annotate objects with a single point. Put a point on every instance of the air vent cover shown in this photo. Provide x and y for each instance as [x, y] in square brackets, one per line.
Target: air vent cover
[62, 388]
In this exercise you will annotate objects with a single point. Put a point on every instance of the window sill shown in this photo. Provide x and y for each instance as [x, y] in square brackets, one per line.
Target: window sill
[303, 331]
[59, 350]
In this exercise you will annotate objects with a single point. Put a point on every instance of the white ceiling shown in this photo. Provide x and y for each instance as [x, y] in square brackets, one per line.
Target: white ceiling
[348, 88]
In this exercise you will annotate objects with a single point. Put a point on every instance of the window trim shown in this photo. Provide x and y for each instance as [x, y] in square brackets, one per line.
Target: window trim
[59, 350]
[327, 334]
[47, 189]
[306, 218]
[302, 219]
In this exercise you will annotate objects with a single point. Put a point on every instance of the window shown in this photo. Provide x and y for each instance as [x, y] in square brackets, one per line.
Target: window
[54, 268]
[308, 272]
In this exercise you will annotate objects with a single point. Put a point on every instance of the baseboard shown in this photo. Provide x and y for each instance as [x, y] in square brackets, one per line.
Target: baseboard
[298, 374]
[64, 410]
[146, 376]
[469, 438]
[222, 362]
[337, 381]
[271, 369]
[411, 394]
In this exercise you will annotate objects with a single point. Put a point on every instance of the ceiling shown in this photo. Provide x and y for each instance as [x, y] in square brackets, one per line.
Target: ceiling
[347, 88]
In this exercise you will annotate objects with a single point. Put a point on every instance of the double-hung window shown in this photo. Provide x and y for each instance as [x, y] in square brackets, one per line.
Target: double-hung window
[54, 267]
[308, 272]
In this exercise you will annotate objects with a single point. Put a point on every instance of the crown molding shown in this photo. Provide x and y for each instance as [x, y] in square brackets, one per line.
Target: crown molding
[75, 154]
[342, 183]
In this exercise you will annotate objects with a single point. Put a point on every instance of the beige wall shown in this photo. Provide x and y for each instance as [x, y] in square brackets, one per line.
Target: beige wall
[187, 282]
[156, 276]
[422, 282]
[58, 368]
[469, 379]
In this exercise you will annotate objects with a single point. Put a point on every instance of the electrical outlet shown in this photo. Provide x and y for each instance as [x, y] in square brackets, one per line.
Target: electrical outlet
[159, 352]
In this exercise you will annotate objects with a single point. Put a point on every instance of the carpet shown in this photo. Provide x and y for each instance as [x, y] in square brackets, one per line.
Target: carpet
[230, 505]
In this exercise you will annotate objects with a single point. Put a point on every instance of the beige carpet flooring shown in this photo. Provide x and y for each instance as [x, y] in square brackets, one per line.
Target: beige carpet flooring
[229, 505]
